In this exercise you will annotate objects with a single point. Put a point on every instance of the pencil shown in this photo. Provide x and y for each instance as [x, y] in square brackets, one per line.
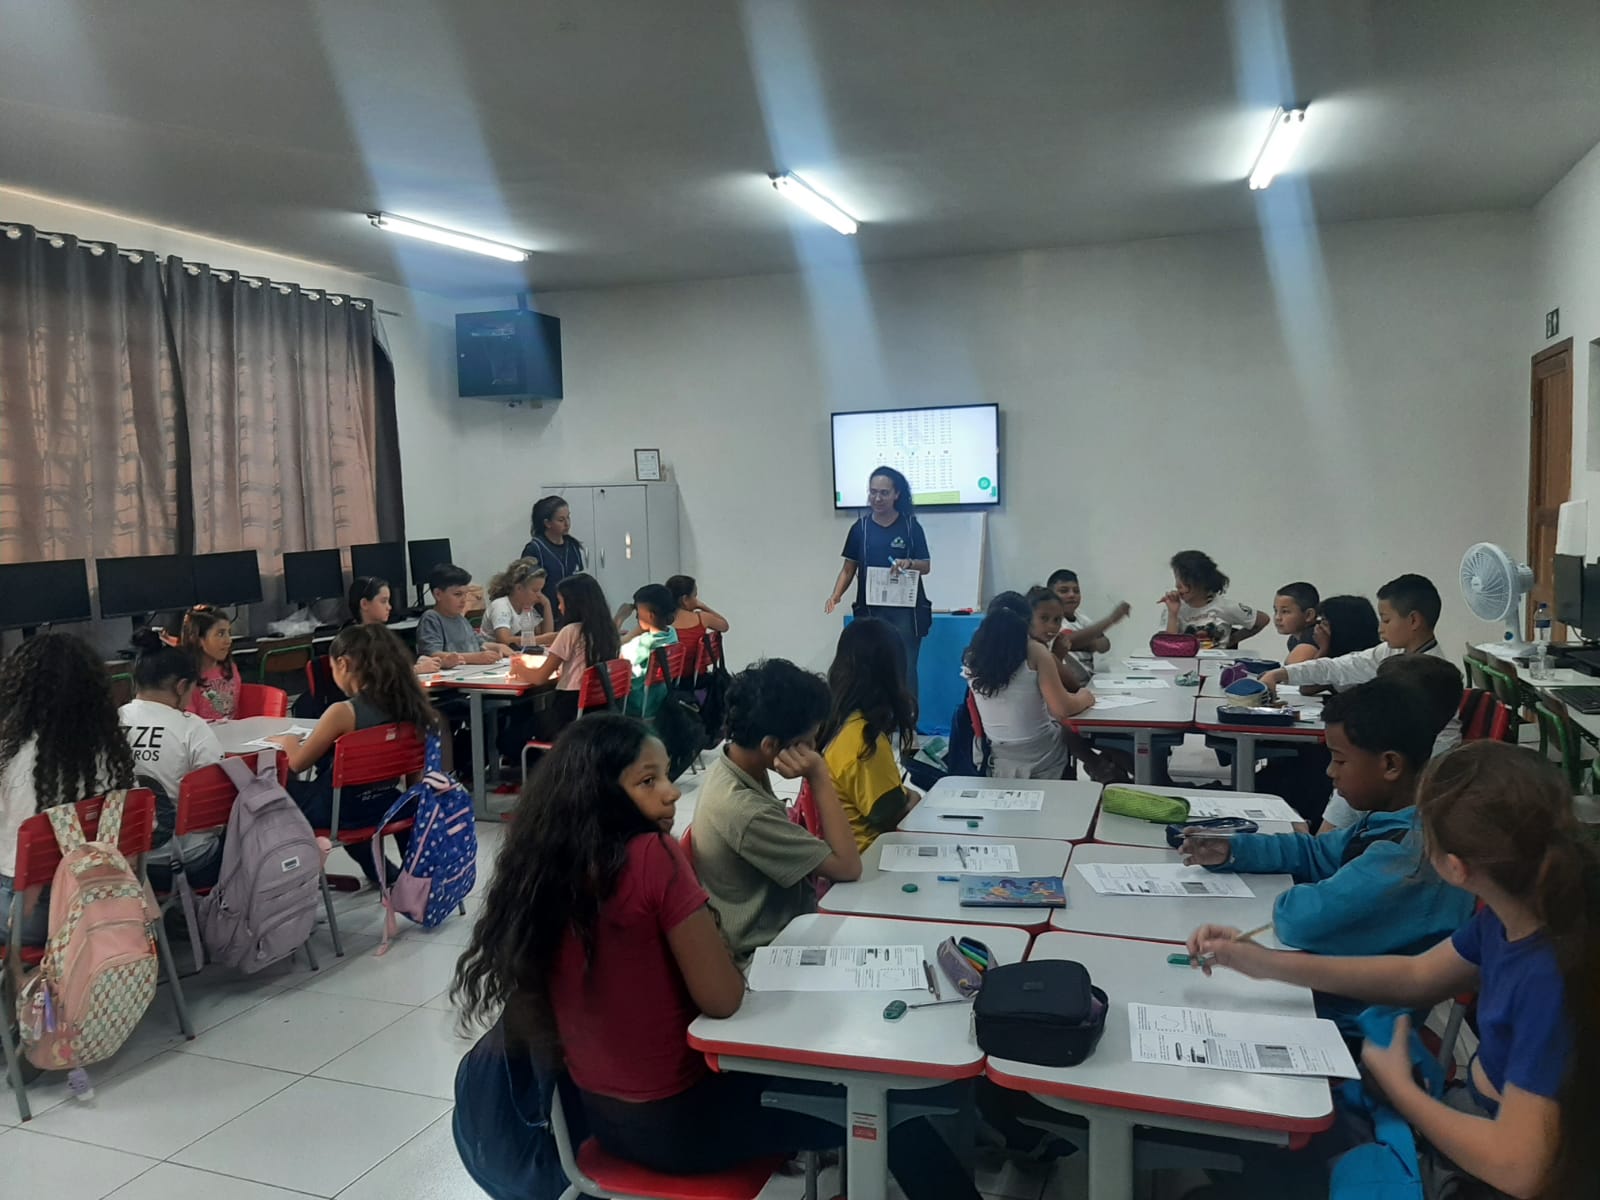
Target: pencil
[1249, 935]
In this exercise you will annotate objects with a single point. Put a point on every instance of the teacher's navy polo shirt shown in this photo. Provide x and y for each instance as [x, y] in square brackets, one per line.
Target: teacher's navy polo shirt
[886, 543]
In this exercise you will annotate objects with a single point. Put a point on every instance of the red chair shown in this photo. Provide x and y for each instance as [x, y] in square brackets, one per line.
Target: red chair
[260, 700]
[593, 1172]
[692, 639]
[38, 856]
[1485, 716]
[382, 754]
[205, 802]
[605, 688]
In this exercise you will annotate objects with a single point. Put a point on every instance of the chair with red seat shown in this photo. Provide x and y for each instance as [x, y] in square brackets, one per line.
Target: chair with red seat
[691, 639]
[605, 686]
[38, 856]
[204, 804]
[382, 754]
[260, 700]
[591, 1171]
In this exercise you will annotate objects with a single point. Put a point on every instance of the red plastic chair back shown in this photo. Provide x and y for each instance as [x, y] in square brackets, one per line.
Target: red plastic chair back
[378, 755]
[678, 662]
[804, 813]
[713, 640]
[319, 676]
[205, 797]
[972, 711]
[38, 855]
[592, 694]
[691, 639]
[261, 700]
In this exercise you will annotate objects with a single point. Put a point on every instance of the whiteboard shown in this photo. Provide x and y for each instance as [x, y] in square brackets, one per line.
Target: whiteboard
[956, 545]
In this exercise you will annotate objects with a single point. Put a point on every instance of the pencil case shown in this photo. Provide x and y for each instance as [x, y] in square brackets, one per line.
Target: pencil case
[1047, 1012]
[964, 963]
[1232, 714]
[1134, 802]
[1174, 645]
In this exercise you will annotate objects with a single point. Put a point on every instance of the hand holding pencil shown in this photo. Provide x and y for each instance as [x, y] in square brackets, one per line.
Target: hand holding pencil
[1223, 945]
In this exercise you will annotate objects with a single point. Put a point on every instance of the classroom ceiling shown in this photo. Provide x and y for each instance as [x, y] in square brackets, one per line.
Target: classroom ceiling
[629, 141]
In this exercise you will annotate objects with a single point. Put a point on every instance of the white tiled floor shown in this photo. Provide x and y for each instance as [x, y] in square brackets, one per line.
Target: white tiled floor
[336, 1084]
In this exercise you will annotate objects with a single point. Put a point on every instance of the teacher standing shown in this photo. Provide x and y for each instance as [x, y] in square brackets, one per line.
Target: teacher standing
[551, 544]
[889, 543]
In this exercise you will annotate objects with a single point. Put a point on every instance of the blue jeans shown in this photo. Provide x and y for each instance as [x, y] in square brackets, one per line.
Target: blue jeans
[36, 925]
[904, 621]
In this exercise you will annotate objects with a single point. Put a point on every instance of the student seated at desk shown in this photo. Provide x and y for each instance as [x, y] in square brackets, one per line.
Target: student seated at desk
[588, 635]
[1045, 627]
[1294, 614]
[757, 863]
[870, 703]
[444, 633]
[1016, 683]
[693, 612]
[518, 608]
[1497, 823]
[597, 946]
[59, 743]
[168, 743]
[1082, 638]
[1408, 609]
[1195, 605]
[371, 667]
[1366, 889]
[655, 609]
[206, 635]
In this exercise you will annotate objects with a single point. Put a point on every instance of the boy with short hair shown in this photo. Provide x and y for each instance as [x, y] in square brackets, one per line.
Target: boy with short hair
[655, 608]
[1367, 889]
[1294, 614]
[444, 633]
[1408, 609]
[1082, 639]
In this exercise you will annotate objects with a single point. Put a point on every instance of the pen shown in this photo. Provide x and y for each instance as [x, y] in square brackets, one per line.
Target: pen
[933, 983]
[959, 817]
[962, 855]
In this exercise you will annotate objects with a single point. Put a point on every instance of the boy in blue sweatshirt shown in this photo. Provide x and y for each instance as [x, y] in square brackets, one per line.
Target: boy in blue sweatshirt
[1367, 889]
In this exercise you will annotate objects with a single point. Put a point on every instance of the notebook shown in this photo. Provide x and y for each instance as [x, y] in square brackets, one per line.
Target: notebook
[1013, 891]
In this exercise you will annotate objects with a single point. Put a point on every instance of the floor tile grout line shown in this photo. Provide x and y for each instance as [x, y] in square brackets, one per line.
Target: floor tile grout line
[444, 1116]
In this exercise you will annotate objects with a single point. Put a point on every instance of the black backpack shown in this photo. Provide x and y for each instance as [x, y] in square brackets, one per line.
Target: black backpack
[679, 723]
[958, 758]
[502, 1121]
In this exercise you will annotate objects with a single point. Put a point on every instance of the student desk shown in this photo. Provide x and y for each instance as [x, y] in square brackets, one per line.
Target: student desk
[1246, 738]
[842, 1038]
[488, 689]
[1211, 689]
[1170, 709]
[1118, 830]
[1069, 807]
[1157, 918]
[1114, 1093]
[234, 734]
[878, 893]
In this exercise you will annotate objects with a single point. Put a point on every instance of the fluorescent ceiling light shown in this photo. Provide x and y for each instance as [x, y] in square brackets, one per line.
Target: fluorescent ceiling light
[447, 237]
[804, 196]
[1287, 126]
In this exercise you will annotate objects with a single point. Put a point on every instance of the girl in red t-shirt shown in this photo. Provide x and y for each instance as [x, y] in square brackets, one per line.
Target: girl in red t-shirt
[597, 941]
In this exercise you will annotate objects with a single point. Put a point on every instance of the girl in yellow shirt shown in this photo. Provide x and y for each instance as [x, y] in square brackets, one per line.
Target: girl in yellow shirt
[872, 712]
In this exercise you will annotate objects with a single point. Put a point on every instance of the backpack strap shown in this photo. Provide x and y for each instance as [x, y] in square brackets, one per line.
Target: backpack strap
[413, 793]
[432, 755]
[64, 823]
[607, 688]
[110, 830]
[238, 771]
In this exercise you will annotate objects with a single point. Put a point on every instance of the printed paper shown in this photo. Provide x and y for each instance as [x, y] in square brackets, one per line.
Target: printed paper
[891, 589]
[837, 969]
[989, 799]
[1161, 879]
[950, 857]
[1103, 703]
[1235, 1041]
[1129, 683]
[1254, 808]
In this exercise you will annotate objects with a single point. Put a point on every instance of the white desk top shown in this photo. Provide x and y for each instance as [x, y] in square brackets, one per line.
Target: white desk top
[494, 678]
[1117, 830]
[1130, 972]
[234, 734]
[1156, 918]
[1168, 707]
[878, 893]
[846, 1030]
[1069, 807]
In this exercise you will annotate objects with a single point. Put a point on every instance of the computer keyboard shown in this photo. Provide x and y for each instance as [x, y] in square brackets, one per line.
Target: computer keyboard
[1585, 699]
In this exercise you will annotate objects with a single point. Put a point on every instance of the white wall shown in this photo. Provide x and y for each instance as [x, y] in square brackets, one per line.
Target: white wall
[1566, 227]
[1345, 409]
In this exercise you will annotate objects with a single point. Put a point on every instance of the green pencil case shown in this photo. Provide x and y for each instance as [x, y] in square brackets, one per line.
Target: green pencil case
[1142, 805]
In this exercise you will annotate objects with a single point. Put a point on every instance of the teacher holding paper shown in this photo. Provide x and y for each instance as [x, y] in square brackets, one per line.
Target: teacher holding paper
[886, 554]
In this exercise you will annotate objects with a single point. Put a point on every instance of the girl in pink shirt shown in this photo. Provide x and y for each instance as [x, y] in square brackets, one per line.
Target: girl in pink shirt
[208, 635]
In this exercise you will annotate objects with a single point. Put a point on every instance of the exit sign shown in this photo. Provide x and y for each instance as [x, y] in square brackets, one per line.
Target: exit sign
[1552, 323]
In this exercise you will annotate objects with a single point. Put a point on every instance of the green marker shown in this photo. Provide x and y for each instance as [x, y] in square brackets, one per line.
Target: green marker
[1180, 960]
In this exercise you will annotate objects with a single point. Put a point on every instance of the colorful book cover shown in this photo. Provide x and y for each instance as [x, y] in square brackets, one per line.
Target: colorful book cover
[1013, 891]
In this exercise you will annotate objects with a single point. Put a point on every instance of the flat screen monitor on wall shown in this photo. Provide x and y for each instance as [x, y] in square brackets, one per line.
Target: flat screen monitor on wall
[950, 456]
[40, 593]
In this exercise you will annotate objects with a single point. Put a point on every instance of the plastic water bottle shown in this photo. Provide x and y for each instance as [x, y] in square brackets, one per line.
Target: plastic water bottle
[1541, 644]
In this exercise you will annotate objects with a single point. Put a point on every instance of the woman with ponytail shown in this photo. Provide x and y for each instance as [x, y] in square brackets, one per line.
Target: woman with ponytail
[1498, 822]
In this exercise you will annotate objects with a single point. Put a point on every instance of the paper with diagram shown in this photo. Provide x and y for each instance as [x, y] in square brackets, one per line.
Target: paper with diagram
[1104, 703]
[988, 799]
[837, 969]
[1253, 808]
[1161, 879]
[891, 589]
[1236, 1041]
[1128, 683]
[950, 857]
[1140, 666]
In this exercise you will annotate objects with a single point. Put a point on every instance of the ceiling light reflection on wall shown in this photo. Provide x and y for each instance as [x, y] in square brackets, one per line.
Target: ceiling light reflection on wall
[803, 196]
[447, 237]
[1288, 124]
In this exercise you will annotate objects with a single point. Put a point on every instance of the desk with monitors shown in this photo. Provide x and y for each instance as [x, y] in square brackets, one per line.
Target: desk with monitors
[426, 554]
[44, 593]
[312, 575]
[380, 560]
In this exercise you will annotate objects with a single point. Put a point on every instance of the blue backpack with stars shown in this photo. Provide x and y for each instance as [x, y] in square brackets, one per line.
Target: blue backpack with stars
[441, 865]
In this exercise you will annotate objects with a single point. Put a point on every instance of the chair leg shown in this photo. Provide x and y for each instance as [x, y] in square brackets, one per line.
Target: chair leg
[808, 1159]
[311, 956]
[13, 1057]
[333, 921]
[164, 949]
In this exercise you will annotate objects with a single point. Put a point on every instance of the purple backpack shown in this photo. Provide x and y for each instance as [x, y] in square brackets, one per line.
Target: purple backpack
[442, 864]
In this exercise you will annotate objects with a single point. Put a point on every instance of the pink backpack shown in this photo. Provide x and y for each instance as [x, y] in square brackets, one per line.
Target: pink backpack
[99, 970]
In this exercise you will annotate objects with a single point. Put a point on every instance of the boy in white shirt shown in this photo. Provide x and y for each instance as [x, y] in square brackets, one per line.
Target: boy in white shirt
[1080, 637]
[168, 743]
[1408, 609]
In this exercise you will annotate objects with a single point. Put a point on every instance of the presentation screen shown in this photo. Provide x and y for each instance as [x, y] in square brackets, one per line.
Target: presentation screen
[950, 456]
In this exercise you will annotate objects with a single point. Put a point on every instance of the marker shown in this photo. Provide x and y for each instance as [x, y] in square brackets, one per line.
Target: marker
[962, 855]
[959, 817]
[933, 983]
[949, 879]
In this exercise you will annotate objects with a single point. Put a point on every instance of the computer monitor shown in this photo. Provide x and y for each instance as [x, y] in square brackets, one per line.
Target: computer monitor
[386, 560]
[1590, 612]
[312, 575]
[227, 578]
[426, 554]
[133, 587]
[1569, 589]
[43, 593]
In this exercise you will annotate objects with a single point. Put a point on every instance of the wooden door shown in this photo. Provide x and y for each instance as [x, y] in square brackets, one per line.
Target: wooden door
[1549, 469]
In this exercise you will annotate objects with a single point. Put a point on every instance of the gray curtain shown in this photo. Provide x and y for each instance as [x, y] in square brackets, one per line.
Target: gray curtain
[279, 387]
[91, 430]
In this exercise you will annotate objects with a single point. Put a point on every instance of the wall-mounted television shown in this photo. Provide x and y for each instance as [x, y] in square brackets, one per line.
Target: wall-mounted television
[950, 456]
[514, 352]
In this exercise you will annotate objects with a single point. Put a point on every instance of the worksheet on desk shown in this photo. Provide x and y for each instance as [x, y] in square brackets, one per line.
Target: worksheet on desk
[1161, 879]
[1235, 1041]
[1128, 683]
[300, 731]
[1252, 808]
[988, 799]
[950, 857]
[1104, 702]
[1139, 666]
[838, 969]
